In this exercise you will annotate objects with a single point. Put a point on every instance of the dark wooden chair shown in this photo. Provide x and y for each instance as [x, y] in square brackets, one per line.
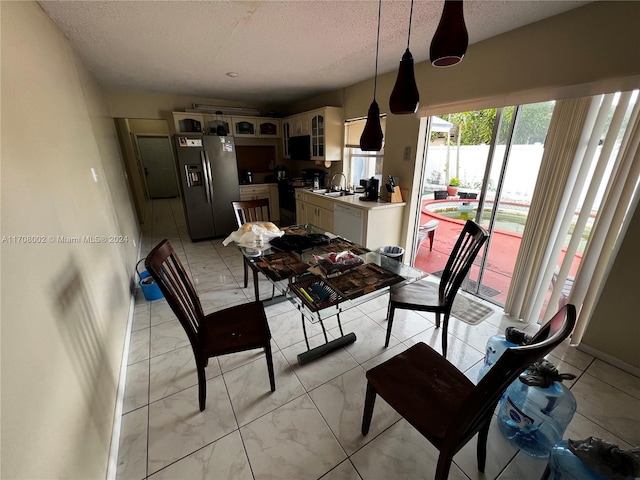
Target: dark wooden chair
[430, 297]
[441, 403]
[251, 211]
[234, 329]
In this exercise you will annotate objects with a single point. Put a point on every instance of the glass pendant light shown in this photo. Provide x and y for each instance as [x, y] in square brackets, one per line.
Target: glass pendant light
[371, 138]
[405, 97]
[451, 39]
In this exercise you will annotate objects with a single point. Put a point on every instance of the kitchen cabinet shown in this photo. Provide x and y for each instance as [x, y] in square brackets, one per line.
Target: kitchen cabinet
[327, 133]
[300, 124]
[325, 126]
[371, 224]
[256, 127]
[286, 134]
[185, 122]
[211, 123]
[314, 209]
[269, 191]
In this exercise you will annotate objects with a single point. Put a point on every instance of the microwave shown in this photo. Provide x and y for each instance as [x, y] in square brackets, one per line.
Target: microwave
[300, 147]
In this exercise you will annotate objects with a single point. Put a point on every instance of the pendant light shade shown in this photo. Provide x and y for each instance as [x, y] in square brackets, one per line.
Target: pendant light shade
[371, 138]
[405, 97]
[451, 39]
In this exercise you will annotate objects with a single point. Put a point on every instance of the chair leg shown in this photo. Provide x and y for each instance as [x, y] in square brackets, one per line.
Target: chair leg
[246, 272]
[445, 326]
[369, 403]
[272, 378]
[391, 310]
[481, 452]
[256, 289]
[431, 234]
[437, 319]
[444, 465]
[202, 384]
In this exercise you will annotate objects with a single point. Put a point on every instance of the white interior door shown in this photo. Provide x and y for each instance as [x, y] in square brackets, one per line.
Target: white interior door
[157, 160]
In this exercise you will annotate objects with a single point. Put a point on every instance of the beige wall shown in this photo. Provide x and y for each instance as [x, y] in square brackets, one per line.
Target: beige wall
[64, 306]
[614, 328]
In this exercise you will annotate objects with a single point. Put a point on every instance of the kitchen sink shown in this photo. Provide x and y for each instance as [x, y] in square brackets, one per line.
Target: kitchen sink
[329, 193]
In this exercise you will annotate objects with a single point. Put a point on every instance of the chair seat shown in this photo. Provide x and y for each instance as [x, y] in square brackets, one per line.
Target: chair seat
[234, 329]
[422, 295]
[423, 387]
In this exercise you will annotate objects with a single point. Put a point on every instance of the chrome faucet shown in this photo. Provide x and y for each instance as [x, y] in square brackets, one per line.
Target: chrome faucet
[331, 186]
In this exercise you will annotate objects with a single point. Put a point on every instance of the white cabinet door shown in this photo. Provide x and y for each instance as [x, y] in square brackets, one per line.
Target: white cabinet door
[268, 128]
[188, 122]
[244, 126]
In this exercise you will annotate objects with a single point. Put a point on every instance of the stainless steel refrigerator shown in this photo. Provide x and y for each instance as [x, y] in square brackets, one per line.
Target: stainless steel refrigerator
[209, 180]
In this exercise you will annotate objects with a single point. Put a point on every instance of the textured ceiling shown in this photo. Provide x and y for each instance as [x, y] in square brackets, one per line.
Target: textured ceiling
[282, 50]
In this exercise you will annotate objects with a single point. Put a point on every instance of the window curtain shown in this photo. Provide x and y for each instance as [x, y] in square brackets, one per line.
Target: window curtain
[587, 151]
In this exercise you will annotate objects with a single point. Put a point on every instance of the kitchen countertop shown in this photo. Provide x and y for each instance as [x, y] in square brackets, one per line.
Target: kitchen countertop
[354, 201]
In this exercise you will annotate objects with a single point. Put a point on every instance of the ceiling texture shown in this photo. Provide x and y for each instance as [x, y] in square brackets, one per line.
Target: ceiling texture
[282, 51]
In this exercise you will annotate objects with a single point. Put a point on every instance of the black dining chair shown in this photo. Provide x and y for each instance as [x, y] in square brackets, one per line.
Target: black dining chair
[252, 211]
[234, 329]
[445, 406]
[427, 296]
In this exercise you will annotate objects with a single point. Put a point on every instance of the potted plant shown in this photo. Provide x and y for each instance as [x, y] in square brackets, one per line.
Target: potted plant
[452, 189]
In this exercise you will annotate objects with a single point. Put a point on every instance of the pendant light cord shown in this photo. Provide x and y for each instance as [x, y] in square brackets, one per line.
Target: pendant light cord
[410, 17]
[375, 79]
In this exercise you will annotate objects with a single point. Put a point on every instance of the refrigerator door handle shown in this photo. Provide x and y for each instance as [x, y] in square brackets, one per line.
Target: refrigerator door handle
[206, 171]
[206, 155]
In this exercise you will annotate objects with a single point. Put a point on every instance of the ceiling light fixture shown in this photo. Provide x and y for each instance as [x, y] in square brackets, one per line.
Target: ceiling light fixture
[405, 96]
[451, 39]
[371, 138]
[232, 74]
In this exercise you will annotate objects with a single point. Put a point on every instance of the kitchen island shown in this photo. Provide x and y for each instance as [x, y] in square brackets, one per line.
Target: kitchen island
[372, 224]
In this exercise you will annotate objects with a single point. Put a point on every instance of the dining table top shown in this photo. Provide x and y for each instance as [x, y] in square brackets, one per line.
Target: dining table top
[324, 274]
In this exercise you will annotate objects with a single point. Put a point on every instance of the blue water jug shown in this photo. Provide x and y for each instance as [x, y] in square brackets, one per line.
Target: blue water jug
[534, 418]
[496, 346]
[607, 458]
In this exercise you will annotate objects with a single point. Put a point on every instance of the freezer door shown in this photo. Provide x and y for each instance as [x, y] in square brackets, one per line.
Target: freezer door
[196, 191]
[221, 153]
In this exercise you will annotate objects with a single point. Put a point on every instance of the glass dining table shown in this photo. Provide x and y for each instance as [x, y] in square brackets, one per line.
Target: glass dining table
[324, 275]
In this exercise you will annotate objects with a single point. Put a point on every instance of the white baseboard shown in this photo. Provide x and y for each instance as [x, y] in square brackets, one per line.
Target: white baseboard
[112, 465]
[605, 357]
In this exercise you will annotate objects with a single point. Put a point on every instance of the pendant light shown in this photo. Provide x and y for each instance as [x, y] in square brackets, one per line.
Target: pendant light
[371, 138]
[405, 97]
[451, 39]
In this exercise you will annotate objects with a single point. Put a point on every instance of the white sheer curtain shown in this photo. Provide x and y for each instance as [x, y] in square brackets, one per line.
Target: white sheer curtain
[590, 165]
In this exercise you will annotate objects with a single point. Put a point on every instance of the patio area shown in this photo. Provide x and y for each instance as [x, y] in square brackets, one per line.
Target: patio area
[500, 263]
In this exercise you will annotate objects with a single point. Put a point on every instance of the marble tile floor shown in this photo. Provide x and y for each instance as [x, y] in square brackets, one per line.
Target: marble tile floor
[309, 428]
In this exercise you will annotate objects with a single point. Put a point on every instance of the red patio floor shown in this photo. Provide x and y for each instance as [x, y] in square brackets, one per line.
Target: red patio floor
[500, 262]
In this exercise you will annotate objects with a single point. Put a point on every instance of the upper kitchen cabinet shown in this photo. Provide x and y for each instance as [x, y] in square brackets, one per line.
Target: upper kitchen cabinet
[185, 122]
[327, 130]
[256, 127]
[300, 124]
[212, 124]
[286, 134]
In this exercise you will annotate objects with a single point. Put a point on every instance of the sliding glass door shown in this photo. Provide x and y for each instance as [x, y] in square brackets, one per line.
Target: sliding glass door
[494, 155]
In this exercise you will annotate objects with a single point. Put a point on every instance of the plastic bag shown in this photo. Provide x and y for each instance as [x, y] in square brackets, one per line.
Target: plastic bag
[254, 235]
[607, 459]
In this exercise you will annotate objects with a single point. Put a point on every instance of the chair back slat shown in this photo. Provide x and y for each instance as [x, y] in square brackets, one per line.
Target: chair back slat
[251, 211]
[464, 252]
[482, 401]
[170, 275]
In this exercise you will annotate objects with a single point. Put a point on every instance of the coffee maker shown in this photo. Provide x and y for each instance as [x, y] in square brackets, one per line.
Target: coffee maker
[371, 189]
